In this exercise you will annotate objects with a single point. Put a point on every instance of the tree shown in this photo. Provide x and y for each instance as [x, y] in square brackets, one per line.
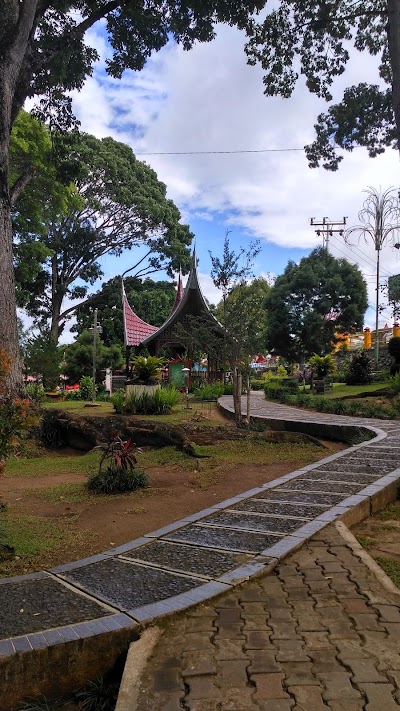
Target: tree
[43, 53]
[151, 300]
[42, 358]
[253, 296]
[240, 315]
[116, 202]
[311, 38]
[78, 358]
[312, 301]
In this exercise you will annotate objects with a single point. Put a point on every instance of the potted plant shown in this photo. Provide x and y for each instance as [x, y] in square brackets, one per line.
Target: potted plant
[322, 368]
[146, 375]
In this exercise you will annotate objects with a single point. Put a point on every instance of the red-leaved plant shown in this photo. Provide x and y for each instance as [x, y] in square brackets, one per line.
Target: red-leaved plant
[15, 414]
[118, 454]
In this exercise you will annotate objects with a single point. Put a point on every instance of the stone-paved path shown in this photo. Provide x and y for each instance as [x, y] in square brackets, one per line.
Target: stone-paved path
[318, 634]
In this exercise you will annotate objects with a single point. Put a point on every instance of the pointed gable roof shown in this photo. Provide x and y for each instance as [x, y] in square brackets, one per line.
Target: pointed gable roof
[135, 330]
[192, 301]
[179, 292]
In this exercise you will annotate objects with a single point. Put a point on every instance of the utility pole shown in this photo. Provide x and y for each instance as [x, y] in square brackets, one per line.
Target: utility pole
[327, 228]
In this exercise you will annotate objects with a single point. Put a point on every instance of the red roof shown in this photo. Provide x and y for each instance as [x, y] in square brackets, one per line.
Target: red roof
[179, 293]
[135, 329]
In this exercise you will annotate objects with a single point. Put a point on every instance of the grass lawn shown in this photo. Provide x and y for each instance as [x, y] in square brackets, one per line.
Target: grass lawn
[80, 407]
[341, 389]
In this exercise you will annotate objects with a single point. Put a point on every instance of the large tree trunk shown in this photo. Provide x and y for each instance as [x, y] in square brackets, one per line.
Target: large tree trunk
[393, 33]
[8, 320]
[237, 394]
[55, 315]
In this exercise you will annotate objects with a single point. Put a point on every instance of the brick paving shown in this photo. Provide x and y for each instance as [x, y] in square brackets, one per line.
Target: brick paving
[320, 633]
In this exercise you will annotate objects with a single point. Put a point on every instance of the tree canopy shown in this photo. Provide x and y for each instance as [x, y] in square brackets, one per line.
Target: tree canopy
[151, 300]
[115, 203]
[78, 358]
[312, 301]
[312, 38]
[43, 54]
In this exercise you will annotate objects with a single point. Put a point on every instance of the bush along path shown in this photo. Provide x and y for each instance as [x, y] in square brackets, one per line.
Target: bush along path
[73, 609]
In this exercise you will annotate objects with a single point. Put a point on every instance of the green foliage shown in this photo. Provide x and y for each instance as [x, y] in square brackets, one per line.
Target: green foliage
[210, 391]
[322, 365]
[360, 369]
[43, 358]
[394, 348]
[73, 395]
[281, 389]
[281, 371]
[161, 402]
[36, 393]
[304, 295]
[115, 202]
[310, 38]
[87, 388]
[16, 414]
[118, 400]
[395, 383]
[117, 481]
[40, 703]
[146, 371]
[98, 695]
[79, 358]
[117, 454]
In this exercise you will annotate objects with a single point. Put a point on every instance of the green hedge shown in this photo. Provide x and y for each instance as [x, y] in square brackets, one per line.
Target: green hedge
[332, 406]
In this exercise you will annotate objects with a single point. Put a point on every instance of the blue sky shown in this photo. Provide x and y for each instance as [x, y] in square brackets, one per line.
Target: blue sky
[209, 99]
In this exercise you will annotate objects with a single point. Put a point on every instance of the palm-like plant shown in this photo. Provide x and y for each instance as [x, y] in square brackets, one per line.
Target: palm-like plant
[322, 365]
[147, 370]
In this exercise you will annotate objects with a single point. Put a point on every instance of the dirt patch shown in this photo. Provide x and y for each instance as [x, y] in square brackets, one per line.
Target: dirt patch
[84, 524]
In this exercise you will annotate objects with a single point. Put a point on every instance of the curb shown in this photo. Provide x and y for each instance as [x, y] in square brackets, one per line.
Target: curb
[362, 554]
[138, 655]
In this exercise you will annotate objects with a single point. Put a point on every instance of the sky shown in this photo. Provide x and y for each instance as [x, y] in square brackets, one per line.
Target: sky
[209, 99]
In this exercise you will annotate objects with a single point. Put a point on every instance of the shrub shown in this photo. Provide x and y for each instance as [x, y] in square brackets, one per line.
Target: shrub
[159, 403]
[257, 384]
[211, 391]
[281, 389]
[36, 393]
[116, 481]
[394, 348]
[281, 371]
[86, 387]
[16, 414]
[360, 370]
[73, 395]
[98, 695]
[118, 400]
[395, 383]
[322, 365]
[147, 370]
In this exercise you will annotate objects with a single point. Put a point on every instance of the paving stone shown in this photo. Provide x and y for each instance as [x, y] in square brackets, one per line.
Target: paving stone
[169, 702]
[253, 608]
[233, 673]
[167, 680]
[393, 629]
[356, 606]
[306, 511]
[281, 613]
[229, 615]
[310, 623]
[298, 673]
[198, 663]
[263, 662]
[379, 697]
[253, 522]
[237, 700]
[258, 639]
[45, 603]
[201, 705]
[364, 670]
[202, 687]
[283, 630]
[291, 650]
[276, 705]
[317, 486]
[279, 494]
[268, 686]
[316, 640]
[256, 622]
[367, 622]
[350, 649]
[229, 649]
[277, 600]
[346, 705]
[308, 698]
[338, 686]
[251, 594]
[227, 631]
[226, 538]
[128, 585]
[341, 629]
[197, 640]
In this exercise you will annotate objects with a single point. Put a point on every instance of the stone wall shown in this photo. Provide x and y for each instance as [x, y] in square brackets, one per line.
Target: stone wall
[385, 359]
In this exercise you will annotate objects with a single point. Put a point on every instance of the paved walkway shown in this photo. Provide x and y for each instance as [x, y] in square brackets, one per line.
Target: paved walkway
[205, 554]
[319, 634]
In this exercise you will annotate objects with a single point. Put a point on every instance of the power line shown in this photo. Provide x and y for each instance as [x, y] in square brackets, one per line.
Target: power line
[208, 153]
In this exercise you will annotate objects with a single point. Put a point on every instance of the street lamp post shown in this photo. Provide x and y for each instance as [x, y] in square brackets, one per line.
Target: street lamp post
[96, 329]
[186, 372]
[379, 222]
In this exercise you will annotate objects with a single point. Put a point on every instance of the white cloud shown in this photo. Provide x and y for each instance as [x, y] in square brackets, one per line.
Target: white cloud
[209, 99]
